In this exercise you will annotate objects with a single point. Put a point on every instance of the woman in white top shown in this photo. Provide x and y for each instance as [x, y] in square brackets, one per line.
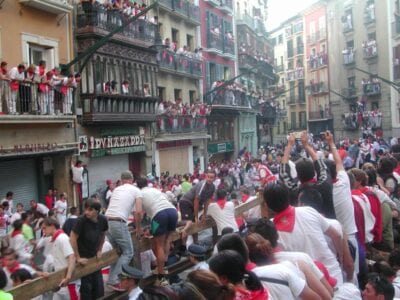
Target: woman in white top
[60, 209]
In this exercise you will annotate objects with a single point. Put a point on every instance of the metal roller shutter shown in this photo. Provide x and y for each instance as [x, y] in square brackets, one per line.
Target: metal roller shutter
[20, 177]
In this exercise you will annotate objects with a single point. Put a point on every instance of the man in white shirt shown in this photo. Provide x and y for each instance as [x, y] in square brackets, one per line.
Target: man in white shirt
[9, 198]
[77, 178]
[63, 254]
[223, 212]
[304, 229]
[125, 199]
[39, 208]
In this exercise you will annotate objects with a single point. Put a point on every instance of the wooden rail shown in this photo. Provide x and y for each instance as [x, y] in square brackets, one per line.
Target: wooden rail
[41, 285]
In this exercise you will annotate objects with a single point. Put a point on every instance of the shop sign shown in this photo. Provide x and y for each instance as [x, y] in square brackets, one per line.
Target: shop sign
[111, 145]
[220, 148]
[31, 148]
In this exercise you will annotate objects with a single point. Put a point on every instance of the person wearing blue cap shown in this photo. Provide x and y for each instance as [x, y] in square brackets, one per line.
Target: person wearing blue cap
[129, 278]
[197, 256]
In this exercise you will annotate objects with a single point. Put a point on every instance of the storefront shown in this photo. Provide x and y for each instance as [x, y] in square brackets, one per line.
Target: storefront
[248, 132]
[218, 152]
[35, 158]
[175, 157]
[107, 152]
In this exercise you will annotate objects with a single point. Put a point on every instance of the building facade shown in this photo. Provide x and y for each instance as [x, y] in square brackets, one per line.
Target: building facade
[319, 113]
[37, 144]
[362, 104]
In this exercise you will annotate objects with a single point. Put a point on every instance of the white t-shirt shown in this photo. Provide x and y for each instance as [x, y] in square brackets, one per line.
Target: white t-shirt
[343, 204]
[41, 208]
[294, 256]
[281, 272]
[10, 203]
[61, 249]
[308, 236]
[123, 201]
[15, 216]
[223, 217]
[77, 174]
[154, 201]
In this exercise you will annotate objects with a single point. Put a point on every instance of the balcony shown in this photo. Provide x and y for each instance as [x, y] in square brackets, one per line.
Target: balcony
[229, 46]
[349, 93]
[370, 50]
[296, 126]
[347, 24]
[318, 61]
[110, 108]
[181, 8]
[295, 74]
[371, 88]
[36, 103]
[279, 69]
[231, 98]
[348, 56]
[227, 6]
[56, 7]
[180, 64]
[362, 119]
[318, 88]
[396, 26]
[321, 114]
[181, 124]
[369, 14]
[254, 23]
[216, 3]
[396, 70]
[104, 21]
[214, 43]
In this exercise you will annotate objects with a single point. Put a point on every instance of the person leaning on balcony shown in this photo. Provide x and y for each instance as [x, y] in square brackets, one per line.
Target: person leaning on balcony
[16, 75]
[4, 87]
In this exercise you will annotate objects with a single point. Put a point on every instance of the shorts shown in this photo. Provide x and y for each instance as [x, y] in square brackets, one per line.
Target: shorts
[187, 211]
[164, 222]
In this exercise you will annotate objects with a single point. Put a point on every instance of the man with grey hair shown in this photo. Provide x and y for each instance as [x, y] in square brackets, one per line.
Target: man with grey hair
[126, 199]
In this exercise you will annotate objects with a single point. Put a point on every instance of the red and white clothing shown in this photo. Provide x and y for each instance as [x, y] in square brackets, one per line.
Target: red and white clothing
[303, 229]
[223, 213]
[369, 219]
[21, 246]
[16, 267]
[60, 208]
[264, 175]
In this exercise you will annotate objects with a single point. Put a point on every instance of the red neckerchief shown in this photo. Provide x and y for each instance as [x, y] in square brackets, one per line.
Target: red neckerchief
[250, 266]
[4, 71]
[221, 203]
[312, 180]
[56, 234]
[245, 197]
[284, 221]
[15, 233]
[334, 180]
[243, 294]
[397, 169]
[14, 268]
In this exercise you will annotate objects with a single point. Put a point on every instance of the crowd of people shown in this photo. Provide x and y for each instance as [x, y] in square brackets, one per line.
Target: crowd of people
[327, 227]
[177, 115]
[36, 90]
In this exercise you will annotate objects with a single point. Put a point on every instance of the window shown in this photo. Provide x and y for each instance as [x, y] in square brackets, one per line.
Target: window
[192, 97]
[374, 105]
[177, 93]
[161, 93]
[289, 46]
[350, 44]
[351, 81]
[175, 35]
[372, 36]
[302, 96]
[280, 39]
[36, 48]
[227, 73]
[278, 128]
[189, 42]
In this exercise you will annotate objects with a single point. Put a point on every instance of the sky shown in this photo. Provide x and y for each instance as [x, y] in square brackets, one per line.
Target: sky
[281, 10]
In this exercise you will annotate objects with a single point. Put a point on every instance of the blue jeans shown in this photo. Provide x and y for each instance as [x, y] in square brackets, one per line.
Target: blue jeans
[119, 237]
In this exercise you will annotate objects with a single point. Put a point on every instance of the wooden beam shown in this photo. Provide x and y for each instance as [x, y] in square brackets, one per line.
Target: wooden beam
[40, 285]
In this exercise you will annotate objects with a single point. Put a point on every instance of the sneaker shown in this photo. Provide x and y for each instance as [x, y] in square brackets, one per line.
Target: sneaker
[162, 282]
[116, 287]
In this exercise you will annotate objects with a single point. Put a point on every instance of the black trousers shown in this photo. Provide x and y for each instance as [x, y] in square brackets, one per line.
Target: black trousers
[92, 286]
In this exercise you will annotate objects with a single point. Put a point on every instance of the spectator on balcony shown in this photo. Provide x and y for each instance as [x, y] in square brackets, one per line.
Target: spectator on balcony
[90, 11]
[167, 42]
[182, 50]
[146, 90]
[113, 87]
[4, 87]
[17, 76]
[125, 87]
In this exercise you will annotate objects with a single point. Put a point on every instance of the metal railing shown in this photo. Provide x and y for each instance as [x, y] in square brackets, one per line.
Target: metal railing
[321, 114]
[318, 88]
[214, 41]
[184, 123]
[372, 89]
[295, 74]
[109, 20]
[35, 99]
[318, 61]
[370, 50]
[180, 62]
[348, 56]
[349, 92]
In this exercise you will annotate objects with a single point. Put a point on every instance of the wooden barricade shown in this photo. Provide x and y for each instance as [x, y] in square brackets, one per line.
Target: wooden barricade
[41, 285]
